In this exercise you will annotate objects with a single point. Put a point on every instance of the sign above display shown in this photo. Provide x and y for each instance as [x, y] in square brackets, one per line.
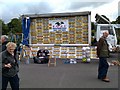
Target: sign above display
[57, 25]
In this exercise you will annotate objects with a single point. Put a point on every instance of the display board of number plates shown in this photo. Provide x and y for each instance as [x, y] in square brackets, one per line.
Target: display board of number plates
[60, 30]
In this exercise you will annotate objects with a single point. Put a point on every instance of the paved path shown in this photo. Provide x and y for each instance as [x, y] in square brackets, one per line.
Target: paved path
[80, 75]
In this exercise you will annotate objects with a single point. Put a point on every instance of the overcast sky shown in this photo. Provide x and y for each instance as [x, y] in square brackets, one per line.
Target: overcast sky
[10, 9]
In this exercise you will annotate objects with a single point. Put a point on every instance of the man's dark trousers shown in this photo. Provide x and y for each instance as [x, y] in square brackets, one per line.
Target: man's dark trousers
[14, 82]
[103, 68]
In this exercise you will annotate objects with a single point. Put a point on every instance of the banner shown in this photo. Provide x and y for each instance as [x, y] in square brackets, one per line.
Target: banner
[56, 25]
[26, 29]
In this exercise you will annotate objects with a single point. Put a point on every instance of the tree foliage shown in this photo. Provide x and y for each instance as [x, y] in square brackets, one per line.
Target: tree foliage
[4, 27]
[118, 20]
[15, 26]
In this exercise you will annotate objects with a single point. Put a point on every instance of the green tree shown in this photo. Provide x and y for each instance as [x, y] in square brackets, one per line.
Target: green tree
[118, 20]
[4, 28]
[93, 28]
[15, 26]
[117, 29]
[113, 22]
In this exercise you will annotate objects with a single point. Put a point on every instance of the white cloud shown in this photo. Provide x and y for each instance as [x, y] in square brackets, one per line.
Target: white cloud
[14, 8]
[110, 10]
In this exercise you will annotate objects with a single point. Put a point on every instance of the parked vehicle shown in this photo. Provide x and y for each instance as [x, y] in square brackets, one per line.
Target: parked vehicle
[112, 38]
[108, 27]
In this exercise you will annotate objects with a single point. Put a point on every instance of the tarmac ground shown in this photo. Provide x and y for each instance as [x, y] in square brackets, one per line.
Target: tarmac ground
[79, 75]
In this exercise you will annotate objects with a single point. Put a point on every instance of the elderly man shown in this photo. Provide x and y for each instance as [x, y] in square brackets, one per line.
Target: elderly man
[4, 41]
[103, 54]
[9, 67]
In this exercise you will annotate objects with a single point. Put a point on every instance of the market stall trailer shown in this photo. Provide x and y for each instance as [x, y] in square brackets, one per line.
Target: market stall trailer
[63, 34]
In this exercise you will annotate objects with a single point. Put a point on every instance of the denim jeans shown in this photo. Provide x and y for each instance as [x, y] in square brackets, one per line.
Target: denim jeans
[103, 68]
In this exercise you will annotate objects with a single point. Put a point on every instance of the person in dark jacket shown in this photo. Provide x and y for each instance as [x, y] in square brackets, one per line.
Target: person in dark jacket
[42, 57]
[10, 67]
[46, 57]
[4, 41]
[103, 54]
